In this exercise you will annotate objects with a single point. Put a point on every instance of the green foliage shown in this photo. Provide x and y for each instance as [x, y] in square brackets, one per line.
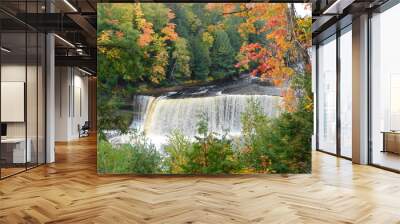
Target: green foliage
[182, 19]
[139, 157]
[133, 49]
[254, 121]
[112, 117]
[279, 145]
[180, 60]
[223, 56]
[208, 154]
[157, 14]
[201, 59]
[232, 23]
[211, 155]
[137, 46]
[178, 147]
[119, 65]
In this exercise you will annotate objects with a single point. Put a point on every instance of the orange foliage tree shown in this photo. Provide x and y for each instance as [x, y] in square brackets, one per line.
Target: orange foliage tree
[288, 39]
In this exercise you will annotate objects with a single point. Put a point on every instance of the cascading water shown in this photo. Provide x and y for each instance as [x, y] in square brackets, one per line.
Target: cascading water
[158, 117]
[141, 105]
[223, 112]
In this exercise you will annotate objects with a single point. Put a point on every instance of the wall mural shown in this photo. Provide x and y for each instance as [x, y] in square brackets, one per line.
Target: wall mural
[204, 88]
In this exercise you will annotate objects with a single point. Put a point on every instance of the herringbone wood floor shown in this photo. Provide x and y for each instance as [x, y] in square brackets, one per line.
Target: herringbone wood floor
[70, 191]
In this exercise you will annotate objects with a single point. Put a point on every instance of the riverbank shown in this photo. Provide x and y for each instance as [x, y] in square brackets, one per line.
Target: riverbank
[243, 85]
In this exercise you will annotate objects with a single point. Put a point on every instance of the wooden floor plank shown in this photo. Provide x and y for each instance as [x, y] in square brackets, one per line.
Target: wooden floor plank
[70, 191]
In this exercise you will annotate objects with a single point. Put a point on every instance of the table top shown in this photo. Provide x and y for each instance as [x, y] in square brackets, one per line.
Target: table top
[391, 132]
[13, 140]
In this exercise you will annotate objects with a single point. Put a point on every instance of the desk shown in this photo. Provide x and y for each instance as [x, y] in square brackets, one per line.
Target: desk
[391, 141]
[13, 150]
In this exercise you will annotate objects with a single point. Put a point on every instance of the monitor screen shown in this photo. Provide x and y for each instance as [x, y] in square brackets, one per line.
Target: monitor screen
[3, 129]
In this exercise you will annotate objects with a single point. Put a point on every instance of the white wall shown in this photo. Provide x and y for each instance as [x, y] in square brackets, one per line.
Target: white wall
[71, 94]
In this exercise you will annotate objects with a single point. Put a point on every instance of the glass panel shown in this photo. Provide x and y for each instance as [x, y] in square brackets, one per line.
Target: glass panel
[41, 99]
[22, 89]
[31, 97]
[13, 87]
[385, 86]
[346, 93]
[327, 96]
[32, 87]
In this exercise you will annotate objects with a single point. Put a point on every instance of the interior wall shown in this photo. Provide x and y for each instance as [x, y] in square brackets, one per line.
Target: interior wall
[61, 104]
[71, 102]
[16, 73]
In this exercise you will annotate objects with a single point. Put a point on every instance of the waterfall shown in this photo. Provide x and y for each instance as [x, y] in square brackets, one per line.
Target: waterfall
[141, 105]
[160, 116]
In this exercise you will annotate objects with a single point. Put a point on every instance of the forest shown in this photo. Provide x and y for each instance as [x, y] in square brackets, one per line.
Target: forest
[147, 46]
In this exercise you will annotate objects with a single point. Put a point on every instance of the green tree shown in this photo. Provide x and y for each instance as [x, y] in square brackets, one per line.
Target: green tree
[119, 65]
[187, 23]
[282, 144]
[232, 23]
[177, 149]
[222, 56]
[210, 154]
[201, 59]
[157, 14]
[139, 157]
[180, 61]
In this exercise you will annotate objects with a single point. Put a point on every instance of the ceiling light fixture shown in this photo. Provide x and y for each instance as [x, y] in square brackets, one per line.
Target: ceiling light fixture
[65, 41]
[337, 7]
[84, 71]
[70, 5]
[5, 50]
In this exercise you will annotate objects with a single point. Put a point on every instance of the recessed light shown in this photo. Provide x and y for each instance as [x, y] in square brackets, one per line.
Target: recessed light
[64, 40]
[337, 7]
[84, 71]
[70, 5]
[5, 50]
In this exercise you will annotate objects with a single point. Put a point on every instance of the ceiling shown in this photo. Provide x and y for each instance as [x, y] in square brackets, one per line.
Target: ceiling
[74, 22]
[332, 15]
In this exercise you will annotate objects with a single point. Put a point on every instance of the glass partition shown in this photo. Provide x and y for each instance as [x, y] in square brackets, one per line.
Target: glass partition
[385, 89]
[14, 153]
[32, 96]
[22, 88]
[327, 95]
[41, 96]
[346, 92]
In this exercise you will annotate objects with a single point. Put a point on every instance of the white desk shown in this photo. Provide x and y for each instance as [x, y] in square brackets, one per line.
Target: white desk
[19, 155]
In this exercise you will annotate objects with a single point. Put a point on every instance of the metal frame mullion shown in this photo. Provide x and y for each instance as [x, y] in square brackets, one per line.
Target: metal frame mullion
[369, 91]
[317, 97]
[338, 77]
[37, 91]
[0, 95]
[26, 87]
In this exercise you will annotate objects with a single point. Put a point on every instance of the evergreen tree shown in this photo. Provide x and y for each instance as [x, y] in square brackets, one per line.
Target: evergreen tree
[200, 60]
[222, 56]
[180, 61]
[157, 14]
[232, 23]
[183, 19]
